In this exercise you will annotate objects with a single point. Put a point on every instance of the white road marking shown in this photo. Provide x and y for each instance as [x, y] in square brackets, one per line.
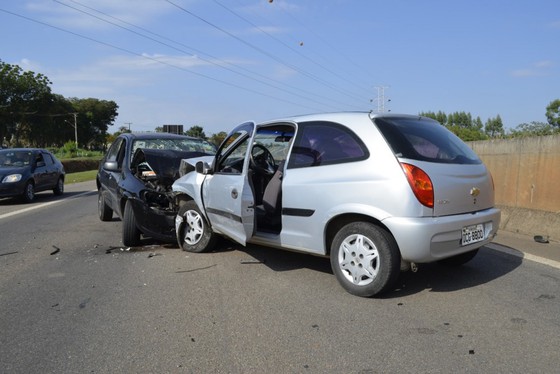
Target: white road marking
[42, 205]
[524, 255]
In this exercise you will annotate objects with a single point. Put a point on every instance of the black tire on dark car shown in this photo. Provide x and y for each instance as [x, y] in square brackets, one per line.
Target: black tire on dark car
[194, 234]
[28, 192]
[59, 187]
[104, 211]
[131, 233]
[365, 259]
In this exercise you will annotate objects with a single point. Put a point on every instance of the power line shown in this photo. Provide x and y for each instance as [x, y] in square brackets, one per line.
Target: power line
[296, 91]
[258, 49]
[286, 45]
[156, 60]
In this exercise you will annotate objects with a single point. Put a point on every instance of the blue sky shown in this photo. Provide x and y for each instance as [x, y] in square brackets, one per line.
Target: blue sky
[216, 63]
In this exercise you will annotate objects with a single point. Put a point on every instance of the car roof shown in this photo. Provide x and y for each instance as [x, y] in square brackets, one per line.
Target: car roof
[155, 135]
[341, 116]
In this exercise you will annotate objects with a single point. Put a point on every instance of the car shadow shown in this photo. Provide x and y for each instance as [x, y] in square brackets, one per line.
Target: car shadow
[487, 266]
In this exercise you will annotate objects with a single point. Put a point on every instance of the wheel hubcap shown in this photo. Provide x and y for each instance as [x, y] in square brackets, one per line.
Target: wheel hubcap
[194, 227]
[358, 259]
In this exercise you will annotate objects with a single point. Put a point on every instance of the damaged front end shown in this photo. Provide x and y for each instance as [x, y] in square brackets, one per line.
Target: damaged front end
[154, 206]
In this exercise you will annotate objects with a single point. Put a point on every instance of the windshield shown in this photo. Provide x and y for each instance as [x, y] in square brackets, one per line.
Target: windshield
[189, 145]
[425, 140]
[11, 158]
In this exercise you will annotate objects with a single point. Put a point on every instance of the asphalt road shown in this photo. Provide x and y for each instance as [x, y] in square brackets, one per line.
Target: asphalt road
[74, 300]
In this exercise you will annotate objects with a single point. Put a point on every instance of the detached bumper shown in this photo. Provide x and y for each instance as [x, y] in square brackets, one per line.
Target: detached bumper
[430, 239]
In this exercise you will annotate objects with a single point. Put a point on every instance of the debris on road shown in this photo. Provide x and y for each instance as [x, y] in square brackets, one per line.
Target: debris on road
[541, 239]
[8, 253]
[56, 250]
[252, 261]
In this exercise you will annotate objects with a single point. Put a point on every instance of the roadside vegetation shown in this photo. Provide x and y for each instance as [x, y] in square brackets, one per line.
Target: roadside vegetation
[31, 115]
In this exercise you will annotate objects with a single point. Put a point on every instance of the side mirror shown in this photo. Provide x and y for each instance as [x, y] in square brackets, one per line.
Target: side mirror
[111, 166]
[40, 164]
[203, 168]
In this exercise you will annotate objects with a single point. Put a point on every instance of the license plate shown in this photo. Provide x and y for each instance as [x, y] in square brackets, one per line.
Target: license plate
[472, 234]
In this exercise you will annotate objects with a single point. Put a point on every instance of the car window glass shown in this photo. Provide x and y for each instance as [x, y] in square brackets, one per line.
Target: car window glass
[39, 160]
[113, 152]
[326, 143]
[425, 140]
[234, 160]
[276, 139]
[48, 158]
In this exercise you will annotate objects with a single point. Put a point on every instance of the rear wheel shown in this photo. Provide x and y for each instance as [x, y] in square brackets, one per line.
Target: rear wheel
[104, 211]
[459, 260]
[130, 233]
[365, 259]
[193, 232]
[59, 188]
[28, 192]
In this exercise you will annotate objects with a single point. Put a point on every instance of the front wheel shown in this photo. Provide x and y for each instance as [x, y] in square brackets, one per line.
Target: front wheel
[193, 232]
[130, 234]
[365, 259]
[28, 192]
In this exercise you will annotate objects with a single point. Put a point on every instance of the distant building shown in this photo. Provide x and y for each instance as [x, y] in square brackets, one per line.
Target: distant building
[173, 129]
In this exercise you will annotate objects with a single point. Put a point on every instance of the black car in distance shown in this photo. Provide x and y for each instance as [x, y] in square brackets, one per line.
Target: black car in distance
[26, 171]
[134, 182]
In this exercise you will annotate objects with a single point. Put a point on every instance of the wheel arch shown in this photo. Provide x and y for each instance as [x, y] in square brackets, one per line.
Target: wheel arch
[336, 223]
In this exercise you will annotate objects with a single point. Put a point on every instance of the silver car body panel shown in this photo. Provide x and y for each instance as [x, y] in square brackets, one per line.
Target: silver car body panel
[375, 189]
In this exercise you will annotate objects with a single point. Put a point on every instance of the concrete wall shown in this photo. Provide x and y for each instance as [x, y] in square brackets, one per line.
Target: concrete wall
[526, 174]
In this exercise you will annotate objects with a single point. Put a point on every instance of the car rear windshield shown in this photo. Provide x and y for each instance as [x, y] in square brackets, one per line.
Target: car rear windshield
[424, 139]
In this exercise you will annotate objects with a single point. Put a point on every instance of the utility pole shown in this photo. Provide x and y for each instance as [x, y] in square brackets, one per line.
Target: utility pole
[76, 128]
[75, 125]
[381, 98]
[128, 123]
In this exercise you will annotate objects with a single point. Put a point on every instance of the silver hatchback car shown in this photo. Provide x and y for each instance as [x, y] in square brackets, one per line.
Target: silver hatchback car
[377, 193]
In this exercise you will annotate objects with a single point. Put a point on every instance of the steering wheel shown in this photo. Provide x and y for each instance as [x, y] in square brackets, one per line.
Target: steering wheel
[262, 160]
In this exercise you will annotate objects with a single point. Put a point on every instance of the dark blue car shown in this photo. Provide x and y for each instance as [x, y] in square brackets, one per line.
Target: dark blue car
[26, 171]
[134, 182]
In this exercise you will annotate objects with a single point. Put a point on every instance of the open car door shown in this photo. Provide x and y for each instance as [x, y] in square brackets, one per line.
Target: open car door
[227, 194]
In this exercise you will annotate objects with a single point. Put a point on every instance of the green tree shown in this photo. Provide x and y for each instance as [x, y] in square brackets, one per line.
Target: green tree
[494, 127]
[533, 129]
[196, 131]
[218, 138]
[553, 113]
[94, 117]
[22, 94]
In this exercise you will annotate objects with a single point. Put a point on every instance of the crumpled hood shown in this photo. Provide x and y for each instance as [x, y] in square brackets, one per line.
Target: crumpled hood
[161, 164]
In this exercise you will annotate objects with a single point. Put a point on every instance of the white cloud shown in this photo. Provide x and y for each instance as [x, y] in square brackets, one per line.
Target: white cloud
[81, 14]
[537, 69]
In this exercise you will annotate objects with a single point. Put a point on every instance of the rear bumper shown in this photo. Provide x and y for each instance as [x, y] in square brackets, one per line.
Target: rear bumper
[430, 239]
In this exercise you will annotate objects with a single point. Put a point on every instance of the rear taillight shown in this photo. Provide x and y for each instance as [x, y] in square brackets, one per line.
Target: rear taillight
[420, 183]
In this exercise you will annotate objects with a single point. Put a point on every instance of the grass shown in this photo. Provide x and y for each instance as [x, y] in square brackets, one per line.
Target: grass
[82, 176]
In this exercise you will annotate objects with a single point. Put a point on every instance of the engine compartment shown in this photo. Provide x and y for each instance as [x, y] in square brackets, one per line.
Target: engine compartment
[157, 169]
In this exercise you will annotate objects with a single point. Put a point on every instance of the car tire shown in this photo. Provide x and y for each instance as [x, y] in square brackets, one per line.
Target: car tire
[104, 211]
[28, 192]
[193, 233]
[459, 260]
[365, 259]
[59, 188]
[131, 233]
